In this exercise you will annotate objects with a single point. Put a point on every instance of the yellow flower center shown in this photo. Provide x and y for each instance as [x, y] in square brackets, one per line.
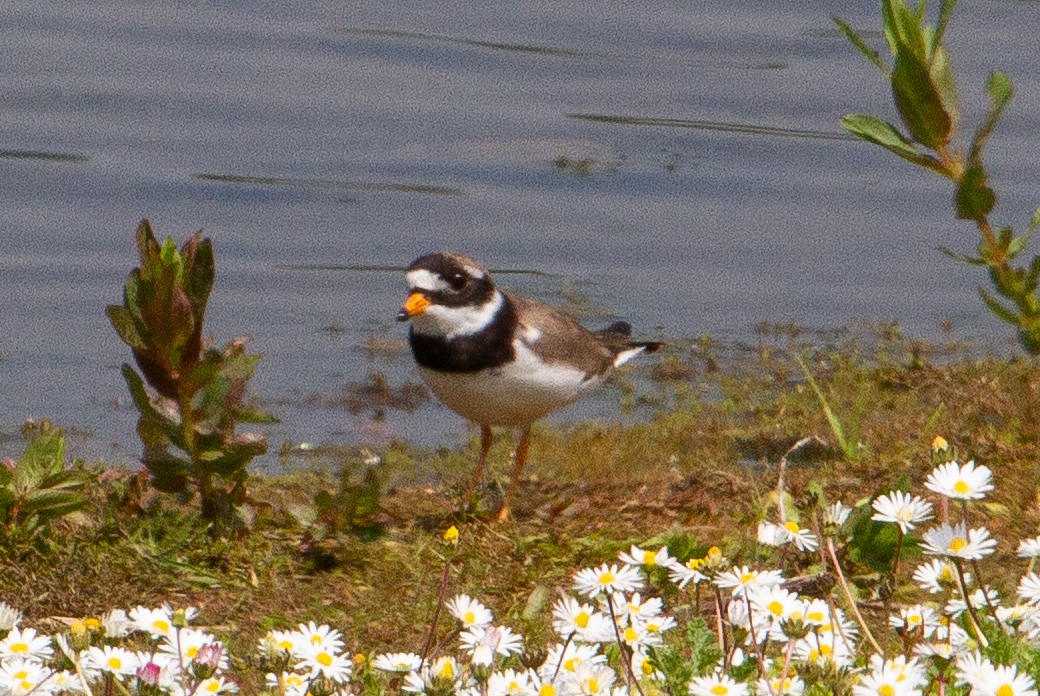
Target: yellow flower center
[958, 543]
[192, 651]
[961, 487]
[631, 634]
[285, 645]
[19, 647]
[606, 578]
[591, 686]
[212, 686]
[791, 527]
[914, 619]
[814, 616]
[315, 639]
[571, 664]
[746, 578]
[1005, 690]
[447, 670]
[776, 608]
[650, 558]
[886, 690]
[582, 619]
[161, 625]
[547, 690]
[114, 662]
[469, 617]
[720, 689]
[826, 650]
[324, 659]
[92, 624]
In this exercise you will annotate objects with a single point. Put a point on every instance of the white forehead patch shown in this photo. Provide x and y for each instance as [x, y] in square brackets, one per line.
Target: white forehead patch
[421, 279]
[474, 273]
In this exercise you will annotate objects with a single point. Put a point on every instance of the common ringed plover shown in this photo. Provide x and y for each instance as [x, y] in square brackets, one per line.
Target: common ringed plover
[500, 359]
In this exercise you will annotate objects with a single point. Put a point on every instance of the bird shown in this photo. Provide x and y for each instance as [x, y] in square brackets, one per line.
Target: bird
[498, 358]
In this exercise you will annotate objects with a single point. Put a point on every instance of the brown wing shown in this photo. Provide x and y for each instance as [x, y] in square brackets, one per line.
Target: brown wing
[560, 338]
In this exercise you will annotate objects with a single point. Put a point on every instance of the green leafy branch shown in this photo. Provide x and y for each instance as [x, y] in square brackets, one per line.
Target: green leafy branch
[187, 424]
[925, 94]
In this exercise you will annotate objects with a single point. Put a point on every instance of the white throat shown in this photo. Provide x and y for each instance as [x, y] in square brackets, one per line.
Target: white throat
[449, 322]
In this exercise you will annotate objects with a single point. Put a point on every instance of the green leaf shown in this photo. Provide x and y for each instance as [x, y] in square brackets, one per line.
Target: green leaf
[862, 45]
[971, 260]
[123, 322]
[50, 505]
[1001, 92]
[974, 198]
[1000, 310]
[919, 102]
[945, 12]
[45, 455]
[880, 132]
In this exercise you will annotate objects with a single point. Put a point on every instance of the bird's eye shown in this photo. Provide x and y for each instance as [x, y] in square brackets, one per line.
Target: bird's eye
[458, 281]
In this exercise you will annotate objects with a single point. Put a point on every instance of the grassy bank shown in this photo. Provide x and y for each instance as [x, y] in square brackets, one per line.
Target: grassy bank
[702, 471]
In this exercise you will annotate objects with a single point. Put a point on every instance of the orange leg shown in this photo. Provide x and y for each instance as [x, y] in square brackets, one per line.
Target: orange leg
[486, 438]
[519, 459]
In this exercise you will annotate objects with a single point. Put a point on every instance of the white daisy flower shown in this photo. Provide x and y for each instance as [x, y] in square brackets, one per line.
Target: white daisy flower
[648, 559]
[215, 685]
[717, 685]
[958, 542]
[185, 645]
[156, 622]
[114, 660]
[582, 621]
[116, 623]
[471, 612]
[288, 683]
[1029, 588]
[564, 661]
[313, 634]
[1029, 548]
[511, 683]
[777, 605]
[592, 582]
[915, 618]
[791, 686]
[483, 643]
[9, 617]
[771, 534]
[836, 514]
[19, 677]
[319, 659]
[444, 672]
[896, 677]
[901, 508]
[397, 662]
[593, 679]
[803, 539]
[26, 644]
[1003, 680]
[682, 574]
[960, 482]
[979, 599]
[741, 579]
[937, 575]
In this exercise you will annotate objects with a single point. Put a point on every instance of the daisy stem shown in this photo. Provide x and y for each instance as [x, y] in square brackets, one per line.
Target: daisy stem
[758, 648]
[985, 594]
[967, 601]
[852, 602]
[720, 629]
[559, 663]
[442, 591]
[626, 657]
[787, 665]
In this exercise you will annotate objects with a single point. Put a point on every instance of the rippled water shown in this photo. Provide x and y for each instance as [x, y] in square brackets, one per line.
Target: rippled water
[680, 165]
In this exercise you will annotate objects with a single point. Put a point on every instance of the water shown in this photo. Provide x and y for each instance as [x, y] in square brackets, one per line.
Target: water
[597, 145]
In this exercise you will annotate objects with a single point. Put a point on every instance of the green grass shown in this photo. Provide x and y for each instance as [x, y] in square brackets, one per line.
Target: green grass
[701, 471]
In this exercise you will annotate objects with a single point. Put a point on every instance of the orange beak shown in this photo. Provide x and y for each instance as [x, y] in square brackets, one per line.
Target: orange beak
[415, 305]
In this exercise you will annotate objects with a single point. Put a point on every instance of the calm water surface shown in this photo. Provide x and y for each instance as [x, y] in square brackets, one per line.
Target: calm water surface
[315, 141]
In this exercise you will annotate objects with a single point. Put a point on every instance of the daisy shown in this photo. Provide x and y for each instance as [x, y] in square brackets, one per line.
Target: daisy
[716, 685]
[803, 539]
[740, 579]
[582, 621]
[19, 676]
[281, 641]
[836, 514]
[777, 605]
[937, 575]
[892, 677]
[9, 617]
[682, 574]
[319, 660]
[594, 679]
[1029, 548]
[792, 686]
[483, 643]
[469, 611]
[901, 508]
[326, 636]
[1029, 588]
[607, 579]
[648, 559]
[958, 542]
[214, 685]
[979, 598]
[1003, 680]
[288, 683]
[26, 644]
[960, 482]
[564, 661]
[156, 622]
[117, 661]
[397, 662]
[116, 624]
[185, 645]
[771, 534]
[442, 674]
[510, 683]
[915, 618]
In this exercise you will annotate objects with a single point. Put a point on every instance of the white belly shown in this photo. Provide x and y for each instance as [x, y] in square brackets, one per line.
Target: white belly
[514, 395]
